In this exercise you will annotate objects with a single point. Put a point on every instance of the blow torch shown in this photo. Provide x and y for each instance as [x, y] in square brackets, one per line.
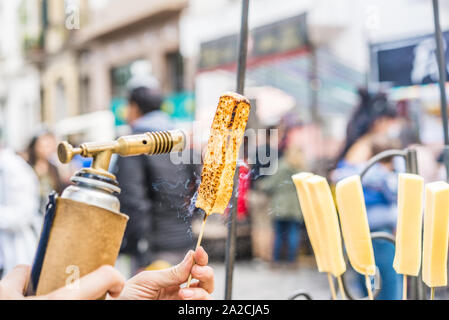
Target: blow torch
[83, 228]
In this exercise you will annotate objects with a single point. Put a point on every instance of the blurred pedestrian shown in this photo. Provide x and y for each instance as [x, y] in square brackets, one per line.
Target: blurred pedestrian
[374, 127]
[40, 154]
[19, 205]
[284, 207]
[154, 191]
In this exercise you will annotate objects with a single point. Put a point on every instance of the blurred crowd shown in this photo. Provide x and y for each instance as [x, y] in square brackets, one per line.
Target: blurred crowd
[157, 194]
[376, 125]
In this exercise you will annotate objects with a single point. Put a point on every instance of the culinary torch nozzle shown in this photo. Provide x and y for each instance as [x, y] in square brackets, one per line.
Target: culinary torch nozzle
[150, 143]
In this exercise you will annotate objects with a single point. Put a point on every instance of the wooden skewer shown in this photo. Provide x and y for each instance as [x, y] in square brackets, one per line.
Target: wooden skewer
[340, 286]
[368, 287]
[200, 236]
[432, 293]
[331, 285]
[404, 287]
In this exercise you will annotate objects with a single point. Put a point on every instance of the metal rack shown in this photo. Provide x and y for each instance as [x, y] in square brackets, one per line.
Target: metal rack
[416, 288]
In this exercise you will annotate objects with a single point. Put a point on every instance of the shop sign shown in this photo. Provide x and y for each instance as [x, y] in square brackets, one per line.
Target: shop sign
[279, 37]
[408, 62]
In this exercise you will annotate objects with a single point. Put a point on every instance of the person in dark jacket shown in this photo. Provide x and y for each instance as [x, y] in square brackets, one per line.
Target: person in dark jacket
[154, 192]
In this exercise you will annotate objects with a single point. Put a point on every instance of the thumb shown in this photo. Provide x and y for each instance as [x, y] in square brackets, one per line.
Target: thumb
[176, 275]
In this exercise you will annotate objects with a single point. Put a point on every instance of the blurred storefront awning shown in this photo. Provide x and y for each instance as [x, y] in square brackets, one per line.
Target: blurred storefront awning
[267, 41]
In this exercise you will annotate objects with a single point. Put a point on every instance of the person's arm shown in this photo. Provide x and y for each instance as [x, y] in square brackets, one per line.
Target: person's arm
[148, 285]
[21, 201]
[105, 279]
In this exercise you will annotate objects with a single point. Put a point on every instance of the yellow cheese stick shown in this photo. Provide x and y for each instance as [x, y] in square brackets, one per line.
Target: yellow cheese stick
[329, 230]
[312, 225]
[436, 234]
[354, 225]
[407, 258]
[310, 219]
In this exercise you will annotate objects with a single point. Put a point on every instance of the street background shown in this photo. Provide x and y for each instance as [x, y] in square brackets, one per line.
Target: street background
[67, 69]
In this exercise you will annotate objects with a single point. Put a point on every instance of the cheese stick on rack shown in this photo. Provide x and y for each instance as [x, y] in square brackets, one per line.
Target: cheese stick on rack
[436, 234]
[324, 209]
[220, 160]
[311, 222]
[355, 228]
[310, 219]
[407, 257]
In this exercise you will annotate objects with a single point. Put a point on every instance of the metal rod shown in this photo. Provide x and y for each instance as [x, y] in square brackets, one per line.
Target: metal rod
[243, 48]
[411, 161]
[232, 224]
[331, 286]
[341, 288]
[382, 155]
[441, 80]
[446, 160]
[379, 235]
[368, 287]
[414, 286]
[416, 289]
[300, 293]
[404, 287]
[442, 84]
[441, 68]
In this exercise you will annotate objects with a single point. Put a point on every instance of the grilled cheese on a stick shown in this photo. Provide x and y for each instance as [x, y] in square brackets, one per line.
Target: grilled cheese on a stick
[217, 176]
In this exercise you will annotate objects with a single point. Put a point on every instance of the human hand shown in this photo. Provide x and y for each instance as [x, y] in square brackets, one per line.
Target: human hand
[105, 279]
[165, 284]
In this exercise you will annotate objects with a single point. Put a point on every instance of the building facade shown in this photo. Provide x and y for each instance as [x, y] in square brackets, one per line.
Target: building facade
[19, 79]
[87, 51]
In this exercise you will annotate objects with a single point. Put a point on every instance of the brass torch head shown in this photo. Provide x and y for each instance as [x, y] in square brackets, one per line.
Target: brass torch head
[66, 152]
[151, 143]
[147, 143]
